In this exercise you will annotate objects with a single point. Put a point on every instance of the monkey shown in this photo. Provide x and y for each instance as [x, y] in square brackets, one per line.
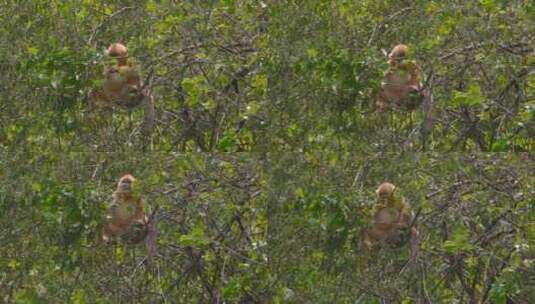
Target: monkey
[401, 81]
[126, 217]
[389, 220]
[125, 68]
[121, 84]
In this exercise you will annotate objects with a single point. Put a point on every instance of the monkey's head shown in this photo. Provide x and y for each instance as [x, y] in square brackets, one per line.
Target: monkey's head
[398, 53]
[117, 50]
[126, 183]
[385, 191]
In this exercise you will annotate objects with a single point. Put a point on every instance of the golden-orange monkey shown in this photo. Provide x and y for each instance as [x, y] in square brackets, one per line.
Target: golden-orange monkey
[121, 84]
[400, 81]
[128, 71]
[126, 215]
[390, 218]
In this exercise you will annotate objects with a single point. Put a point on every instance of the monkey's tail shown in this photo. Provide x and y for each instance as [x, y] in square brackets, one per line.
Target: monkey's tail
[152, 234]
[413, 223]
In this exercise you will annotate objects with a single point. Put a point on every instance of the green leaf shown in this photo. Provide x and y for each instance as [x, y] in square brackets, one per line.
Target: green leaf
[489, 5]
[33, 51]
[472, 97]
[228, 142]
[312, 53]
[498, 293]
[151, 7]
[78, 297]
[459, 242]
[299, 192]
[232, 289]
[36, 187]
[196, 237]
[195, 87]
[500, 145]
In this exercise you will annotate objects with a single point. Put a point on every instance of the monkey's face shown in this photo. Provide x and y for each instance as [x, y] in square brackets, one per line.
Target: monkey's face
[385, 191]
[126, 183]
[112, 73]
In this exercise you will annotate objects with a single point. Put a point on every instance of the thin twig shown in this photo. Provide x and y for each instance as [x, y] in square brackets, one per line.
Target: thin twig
[386, 20]
[95, 31]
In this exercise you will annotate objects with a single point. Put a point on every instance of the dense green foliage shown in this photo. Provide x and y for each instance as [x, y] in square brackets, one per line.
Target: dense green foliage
[211, 221]
[248, 75]
[476, 228]
[240, 228]
[261, 170]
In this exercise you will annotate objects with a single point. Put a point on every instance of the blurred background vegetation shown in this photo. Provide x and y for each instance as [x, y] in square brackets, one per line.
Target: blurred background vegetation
[292, 84]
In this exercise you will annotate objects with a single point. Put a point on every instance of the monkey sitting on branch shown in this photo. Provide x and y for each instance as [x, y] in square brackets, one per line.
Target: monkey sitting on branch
[122, 87]
[392, 223]
[401, 86]
[402, 89]
[126, 218]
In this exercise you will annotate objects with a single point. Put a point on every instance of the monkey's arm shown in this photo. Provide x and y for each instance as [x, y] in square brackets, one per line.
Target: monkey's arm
[414, 72]
[138, 212]
[115, 211]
